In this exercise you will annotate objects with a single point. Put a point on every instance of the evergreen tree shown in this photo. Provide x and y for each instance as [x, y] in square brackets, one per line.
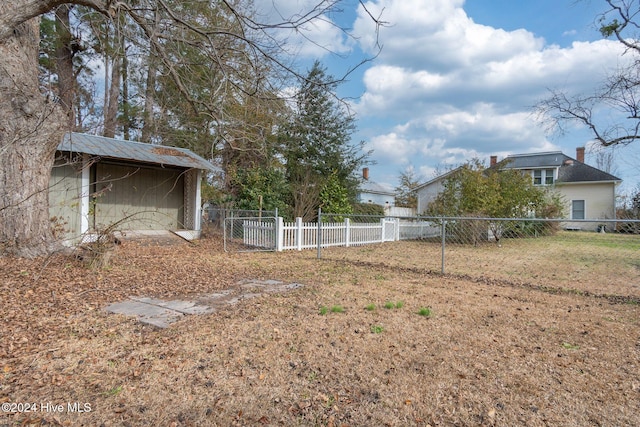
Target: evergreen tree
[316, 144]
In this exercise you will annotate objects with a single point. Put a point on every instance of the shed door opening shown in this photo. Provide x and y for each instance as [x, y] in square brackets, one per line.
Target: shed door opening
[140, 198]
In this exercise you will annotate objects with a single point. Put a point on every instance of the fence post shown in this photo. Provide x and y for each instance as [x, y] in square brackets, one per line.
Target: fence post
[319, 237]
[347, 232]
[397, 233]
[444, 233]
[279, 234]
[298, 233]
[382, 230]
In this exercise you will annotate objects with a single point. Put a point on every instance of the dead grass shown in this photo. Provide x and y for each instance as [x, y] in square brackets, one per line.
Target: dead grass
[517, 336]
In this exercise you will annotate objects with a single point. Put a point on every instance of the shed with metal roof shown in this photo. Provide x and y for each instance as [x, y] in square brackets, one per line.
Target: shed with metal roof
[100, 183]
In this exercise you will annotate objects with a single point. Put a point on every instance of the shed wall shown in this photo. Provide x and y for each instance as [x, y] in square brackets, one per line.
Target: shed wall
[64, 199]
[138, 198]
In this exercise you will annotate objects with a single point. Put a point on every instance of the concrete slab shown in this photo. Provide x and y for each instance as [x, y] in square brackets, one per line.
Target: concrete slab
[162, 313]
[146, 313]
[184, 307]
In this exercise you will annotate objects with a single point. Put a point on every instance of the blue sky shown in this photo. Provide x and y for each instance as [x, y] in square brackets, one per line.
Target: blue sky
[456, 79]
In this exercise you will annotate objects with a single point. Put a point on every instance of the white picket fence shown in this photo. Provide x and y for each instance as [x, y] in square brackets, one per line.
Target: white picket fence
[279, 235]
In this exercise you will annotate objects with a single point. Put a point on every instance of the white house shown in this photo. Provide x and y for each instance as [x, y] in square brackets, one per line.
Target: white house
[428, 191]
[589, 193]
[372, 192]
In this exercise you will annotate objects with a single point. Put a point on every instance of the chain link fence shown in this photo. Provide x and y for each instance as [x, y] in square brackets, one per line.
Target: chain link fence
[564, 252]
[559, 251]
[250, 234]
[214, 217]
[556, 253]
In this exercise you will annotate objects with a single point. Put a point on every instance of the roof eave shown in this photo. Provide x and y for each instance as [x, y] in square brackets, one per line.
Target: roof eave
[605, 181]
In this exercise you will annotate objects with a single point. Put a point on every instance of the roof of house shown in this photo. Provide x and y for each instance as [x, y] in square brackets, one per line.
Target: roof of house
[136, 151]
[375, 188]
[569, 169]
[438, 178]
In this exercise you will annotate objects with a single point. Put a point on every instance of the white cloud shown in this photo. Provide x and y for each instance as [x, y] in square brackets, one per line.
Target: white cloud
[313, 38]
[437, 35]
[451, 89]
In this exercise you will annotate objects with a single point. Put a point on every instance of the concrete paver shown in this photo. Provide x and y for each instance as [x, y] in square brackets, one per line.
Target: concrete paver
[162, 313]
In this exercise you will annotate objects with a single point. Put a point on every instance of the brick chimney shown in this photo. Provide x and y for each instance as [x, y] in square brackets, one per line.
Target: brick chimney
[580, 154]
[493, 160]
[365, 174]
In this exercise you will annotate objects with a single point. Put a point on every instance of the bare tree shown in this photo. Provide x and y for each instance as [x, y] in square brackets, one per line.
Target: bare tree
[603, 157]
[32, 122]
[619, 93]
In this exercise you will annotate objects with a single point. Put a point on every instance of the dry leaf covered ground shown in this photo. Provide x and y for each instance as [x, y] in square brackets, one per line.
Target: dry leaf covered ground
[517, 335]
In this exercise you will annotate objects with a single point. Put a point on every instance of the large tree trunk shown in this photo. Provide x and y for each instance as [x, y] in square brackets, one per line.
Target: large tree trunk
[31, 125]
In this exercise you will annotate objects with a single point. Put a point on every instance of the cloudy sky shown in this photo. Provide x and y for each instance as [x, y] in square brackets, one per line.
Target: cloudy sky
[457, 79]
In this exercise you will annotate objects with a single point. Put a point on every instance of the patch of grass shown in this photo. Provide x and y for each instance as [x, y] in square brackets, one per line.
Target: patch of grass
[425, 311]
[114, 391]
[389, 305]
[337, 309]
[570, 346]
[377, 329]
[323, 310]
[370, 307]
[400, 304]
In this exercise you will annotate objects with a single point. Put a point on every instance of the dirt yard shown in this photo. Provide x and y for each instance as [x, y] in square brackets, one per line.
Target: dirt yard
[511, 336]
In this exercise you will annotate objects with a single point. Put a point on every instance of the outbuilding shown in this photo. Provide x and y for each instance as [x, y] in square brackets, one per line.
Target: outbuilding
[100, 183]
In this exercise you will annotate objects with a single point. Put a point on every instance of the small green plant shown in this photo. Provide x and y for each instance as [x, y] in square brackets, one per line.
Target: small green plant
[377, 329]
[331, 401]
[114, 391]
[399, 304]
[425, 311]
[337, 309]
[370, 307]
[389, 305]
[323, 310]
[570, 346]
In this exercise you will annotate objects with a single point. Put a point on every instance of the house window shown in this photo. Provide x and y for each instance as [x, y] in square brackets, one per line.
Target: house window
[543, 177]
[577, 209]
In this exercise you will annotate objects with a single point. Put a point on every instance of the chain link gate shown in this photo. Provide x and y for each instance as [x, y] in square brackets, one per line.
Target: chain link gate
[250, 234]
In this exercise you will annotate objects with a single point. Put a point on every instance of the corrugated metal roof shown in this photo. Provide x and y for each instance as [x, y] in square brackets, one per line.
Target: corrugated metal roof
[135, 151]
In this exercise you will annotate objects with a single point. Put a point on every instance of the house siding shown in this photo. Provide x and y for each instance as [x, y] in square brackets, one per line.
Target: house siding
[377, 199]
[599, 200]
[427, 194]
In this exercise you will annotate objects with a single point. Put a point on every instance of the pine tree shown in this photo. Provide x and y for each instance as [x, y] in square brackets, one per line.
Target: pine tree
[317, 143]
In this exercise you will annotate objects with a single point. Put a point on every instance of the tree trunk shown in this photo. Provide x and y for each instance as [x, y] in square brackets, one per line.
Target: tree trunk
[148, 127]
[31, 126]
[111, 112]
[64, 64]
[126, 119]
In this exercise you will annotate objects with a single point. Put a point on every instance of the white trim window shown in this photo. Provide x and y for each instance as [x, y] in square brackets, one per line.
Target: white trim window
[543, 177]
[578, 209]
